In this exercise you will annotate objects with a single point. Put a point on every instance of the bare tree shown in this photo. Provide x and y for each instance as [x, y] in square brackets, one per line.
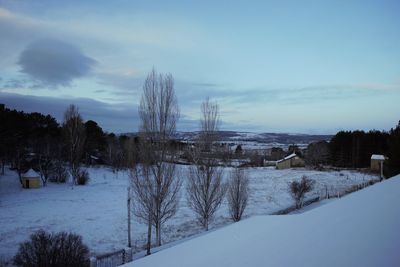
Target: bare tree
[159, 114]
[205, 187]
[238, 193]
[74, 134]
[115, 153]
[209, 125]
[318, 153]
[46, 149]
[298, 189]
[143, 205]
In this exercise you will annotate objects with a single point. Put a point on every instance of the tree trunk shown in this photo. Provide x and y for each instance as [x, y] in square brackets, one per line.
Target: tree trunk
[2, 166]
[129, 218]
[148, 247]
[158, 233]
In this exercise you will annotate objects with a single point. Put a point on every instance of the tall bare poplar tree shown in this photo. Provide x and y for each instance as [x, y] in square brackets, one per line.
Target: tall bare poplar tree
[238, 194]
[74, 134]
[205, 187]
[159, 113]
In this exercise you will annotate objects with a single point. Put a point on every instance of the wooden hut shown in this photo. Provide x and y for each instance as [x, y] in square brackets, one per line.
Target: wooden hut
[31, 179]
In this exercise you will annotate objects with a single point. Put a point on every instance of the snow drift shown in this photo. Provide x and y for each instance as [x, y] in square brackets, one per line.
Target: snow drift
[362, 229]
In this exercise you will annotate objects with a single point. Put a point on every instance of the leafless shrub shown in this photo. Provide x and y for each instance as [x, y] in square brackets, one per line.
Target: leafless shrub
[298, 189]
[238, 194]
[59, 173]
[83, 177]
[56, 250]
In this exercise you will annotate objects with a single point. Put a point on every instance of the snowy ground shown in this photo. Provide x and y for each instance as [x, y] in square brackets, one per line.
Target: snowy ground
[360, 229]
[98, 210]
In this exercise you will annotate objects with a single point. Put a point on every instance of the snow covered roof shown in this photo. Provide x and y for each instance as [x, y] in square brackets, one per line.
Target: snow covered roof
[30, 173]
[288, 157]
[360, 229]
[379, 157]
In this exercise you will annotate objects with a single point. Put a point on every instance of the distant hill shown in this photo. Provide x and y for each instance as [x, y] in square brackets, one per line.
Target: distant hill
[282, 138]
[279, 138]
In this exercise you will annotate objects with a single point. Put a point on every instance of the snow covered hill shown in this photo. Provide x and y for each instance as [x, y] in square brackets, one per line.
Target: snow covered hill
[362, 229]
[282, 138]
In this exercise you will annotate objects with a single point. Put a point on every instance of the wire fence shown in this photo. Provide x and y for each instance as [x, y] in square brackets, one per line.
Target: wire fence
[112, 259]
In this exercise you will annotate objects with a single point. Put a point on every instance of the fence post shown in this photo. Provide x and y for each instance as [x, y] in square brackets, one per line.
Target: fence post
[93, 261]
[128, 254]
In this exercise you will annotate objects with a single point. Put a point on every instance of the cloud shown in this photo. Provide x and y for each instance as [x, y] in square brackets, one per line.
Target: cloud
[54, 63]
[123, 81]
[16, 33]
[118, 118]
[200, 84]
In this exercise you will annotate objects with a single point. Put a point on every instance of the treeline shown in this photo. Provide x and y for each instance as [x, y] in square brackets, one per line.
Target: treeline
[353, 149]
[32, 140]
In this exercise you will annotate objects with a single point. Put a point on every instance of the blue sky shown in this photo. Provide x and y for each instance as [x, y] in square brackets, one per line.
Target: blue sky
[273, 66]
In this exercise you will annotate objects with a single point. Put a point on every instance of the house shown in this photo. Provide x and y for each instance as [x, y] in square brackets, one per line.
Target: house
[377, 163]
[293, 160]
[30, 179]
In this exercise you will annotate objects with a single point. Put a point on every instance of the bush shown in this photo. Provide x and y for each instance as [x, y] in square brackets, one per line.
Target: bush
[59, 174]
[83, 177]
[53, 250]
[298, 189]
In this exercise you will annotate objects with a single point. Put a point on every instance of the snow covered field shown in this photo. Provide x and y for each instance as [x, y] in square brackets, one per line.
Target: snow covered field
[361, 229]
[98, 210]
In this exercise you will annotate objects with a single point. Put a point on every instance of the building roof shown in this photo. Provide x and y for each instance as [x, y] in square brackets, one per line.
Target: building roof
[287, 157]
[30, 173]
[378, 157]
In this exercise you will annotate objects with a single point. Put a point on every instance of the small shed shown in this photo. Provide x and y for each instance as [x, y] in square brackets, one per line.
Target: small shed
[31, 179]
[377, 162]
[293, 160]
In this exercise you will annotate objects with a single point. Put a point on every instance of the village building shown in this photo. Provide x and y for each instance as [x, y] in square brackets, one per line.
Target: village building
[291, 161]
[30, 179]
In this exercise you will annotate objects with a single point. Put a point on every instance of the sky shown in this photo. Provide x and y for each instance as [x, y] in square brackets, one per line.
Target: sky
[313, 67]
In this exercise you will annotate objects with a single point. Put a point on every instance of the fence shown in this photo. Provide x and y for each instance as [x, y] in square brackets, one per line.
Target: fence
[293, 208]
[112, 259]
[327, 193]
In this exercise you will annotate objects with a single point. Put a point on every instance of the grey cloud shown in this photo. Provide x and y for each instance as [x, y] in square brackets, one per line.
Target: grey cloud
[15, 34]
[120, 82]
[54, 62]
[207, 84]
[118, 118]
[21, 82]
[285, 96]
